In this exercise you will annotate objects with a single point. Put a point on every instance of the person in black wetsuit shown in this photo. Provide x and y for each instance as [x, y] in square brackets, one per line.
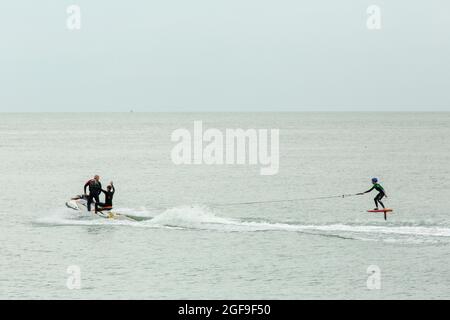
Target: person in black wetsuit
[381, 193]
[109, 194]
[95, 188]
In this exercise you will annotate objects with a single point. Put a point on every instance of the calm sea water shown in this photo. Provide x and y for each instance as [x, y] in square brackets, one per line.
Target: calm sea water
[190, 244]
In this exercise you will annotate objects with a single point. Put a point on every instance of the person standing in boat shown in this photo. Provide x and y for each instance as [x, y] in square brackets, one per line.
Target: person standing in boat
[95, 188]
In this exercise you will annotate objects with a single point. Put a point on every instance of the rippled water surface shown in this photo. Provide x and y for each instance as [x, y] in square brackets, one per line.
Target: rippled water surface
[187, 242]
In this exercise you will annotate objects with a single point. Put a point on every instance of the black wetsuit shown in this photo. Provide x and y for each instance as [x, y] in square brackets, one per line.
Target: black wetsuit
[95, 188]
[381, 194]
[107, 205]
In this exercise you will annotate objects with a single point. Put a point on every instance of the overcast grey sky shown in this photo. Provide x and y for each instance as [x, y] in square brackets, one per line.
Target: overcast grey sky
[224, 55]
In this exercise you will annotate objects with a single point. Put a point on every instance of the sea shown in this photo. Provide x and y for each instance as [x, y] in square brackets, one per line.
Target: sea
[225, 231]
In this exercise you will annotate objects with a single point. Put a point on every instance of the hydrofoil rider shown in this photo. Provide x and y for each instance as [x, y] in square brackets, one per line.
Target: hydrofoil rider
[381, 193]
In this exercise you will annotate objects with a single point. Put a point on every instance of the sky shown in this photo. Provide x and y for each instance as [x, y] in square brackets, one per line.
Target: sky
[224, 55]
